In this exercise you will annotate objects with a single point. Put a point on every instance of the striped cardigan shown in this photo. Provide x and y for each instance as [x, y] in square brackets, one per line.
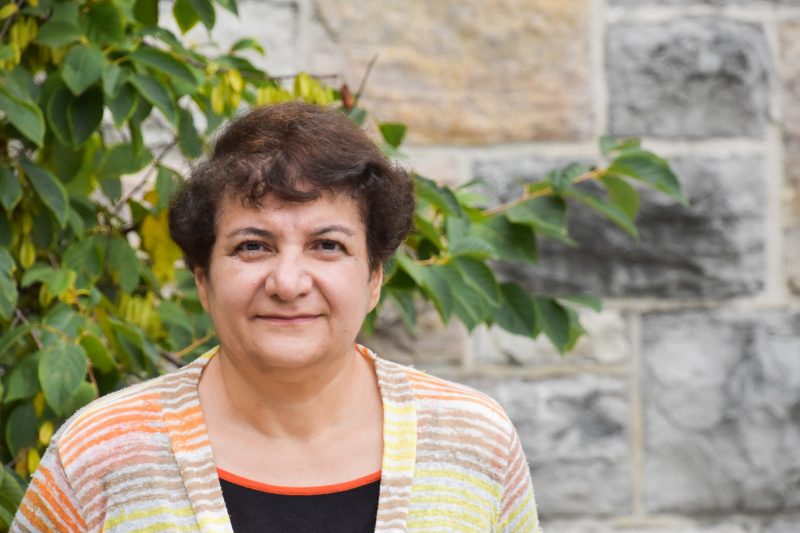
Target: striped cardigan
[140, 460]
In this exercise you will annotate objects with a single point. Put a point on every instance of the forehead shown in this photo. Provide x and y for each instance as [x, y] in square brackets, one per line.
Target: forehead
[329, 208]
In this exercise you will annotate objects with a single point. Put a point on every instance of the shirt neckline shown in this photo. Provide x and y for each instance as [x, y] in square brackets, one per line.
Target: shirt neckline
[298, 491]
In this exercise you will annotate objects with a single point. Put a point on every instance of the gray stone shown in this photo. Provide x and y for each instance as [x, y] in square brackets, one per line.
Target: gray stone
[789, 523]
[690, 78]
[606, 341]
[712, 249]
[575, 435]
[722, 410]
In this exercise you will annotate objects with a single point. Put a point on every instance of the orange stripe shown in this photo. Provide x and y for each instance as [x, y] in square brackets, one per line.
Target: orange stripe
[62, 498]
[107, 418]
[298, 491]
[43, 512]
[109, 435]
[461, 398]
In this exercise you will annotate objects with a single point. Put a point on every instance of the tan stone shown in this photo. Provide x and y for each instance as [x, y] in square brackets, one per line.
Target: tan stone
[467, 71]
[790, 74]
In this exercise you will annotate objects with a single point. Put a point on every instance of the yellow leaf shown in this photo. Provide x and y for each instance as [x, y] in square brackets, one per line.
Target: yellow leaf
[235, 80]
[218, 99]
[38, 404]
[21, 467]
[46, 433]
[8, 10]
[157, 242]
[33, 460]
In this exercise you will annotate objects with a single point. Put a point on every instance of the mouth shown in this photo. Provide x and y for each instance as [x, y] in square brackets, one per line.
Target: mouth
[287, 319]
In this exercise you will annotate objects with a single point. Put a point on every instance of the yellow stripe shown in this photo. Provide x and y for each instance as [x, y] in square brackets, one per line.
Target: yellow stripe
[405, 408]
[116, 520]
[487, 513]
[491, 488]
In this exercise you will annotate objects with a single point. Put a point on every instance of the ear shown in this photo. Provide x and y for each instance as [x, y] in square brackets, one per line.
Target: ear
[201, 281]
[375, 283]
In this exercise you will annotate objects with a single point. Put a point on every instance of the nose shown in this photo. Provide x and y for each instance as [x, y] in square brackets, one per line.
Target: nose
[287, 278]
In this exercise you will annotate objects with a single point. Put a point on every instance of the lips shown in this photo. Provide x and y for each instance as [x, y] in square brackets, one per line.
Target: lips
[287, 319]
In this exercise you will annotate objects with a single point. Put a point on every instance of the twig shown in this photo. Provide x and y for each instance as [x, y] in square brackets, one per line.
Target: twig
[10, 20]
[195, 344]
[146, 178]
[365, 77]
[592, 175]
[170, 358]
[34, 335]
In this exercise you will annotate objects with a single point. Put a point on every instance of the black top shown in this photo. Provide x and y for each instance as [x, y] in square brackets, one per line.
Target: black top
[352, 510]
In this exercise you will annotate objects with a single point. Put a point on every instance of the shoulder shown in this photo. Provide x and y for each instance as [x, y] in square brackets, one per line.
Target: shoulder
[129, 418]
[441, 401]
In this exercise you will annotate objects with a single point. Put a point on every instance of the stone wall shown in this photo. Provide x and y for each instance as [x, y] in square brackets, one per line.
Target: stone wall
[680, 411]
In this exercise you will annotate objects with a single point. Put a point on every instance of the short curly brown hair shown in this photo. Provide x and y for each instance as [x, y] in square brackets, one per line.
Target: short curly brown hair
[293, 152]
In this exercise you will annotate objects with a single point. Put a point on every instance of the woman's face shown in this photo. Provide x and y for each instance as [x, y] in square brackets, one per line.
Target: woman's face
[289, 284]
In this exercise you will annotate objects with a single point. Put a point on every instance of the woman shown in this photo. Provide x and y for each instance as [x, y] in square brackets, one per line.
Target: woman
[288, 425]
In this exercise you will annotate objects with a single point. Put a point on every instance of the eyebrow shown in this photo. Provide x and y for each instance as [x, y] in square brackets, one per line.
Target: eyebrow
[266, 234]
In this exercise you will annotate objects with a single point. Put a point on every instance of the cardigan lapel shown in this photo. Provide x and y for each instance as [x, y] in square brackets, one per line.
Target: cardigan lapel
[186, 429]
[399, 445]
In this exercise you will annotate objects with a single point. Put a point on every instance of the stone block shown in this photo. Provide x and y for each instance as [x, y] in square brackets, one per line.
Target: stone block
[575, 434]
[688, 78]
[712, 249]
[606, 341]
[467, 71]
[722, 411]
[719, 3]
[671, 525]
[273, 23]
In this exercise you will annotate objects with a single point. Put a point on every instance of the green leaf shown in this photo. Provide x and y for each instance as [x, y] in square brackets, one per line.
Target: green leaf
[247, 44]
[480, 277]
[84, 115]
[651, 169]
[393, 133]
[6, 232]
[166, 184]
[11, 493]
[123, 105]
[122, 264]
[23, 381]
[554, 321]
[205, 11]
[8, 295]
[61, 370]
[114, 78]
[404, 302]
[517, 313]
[586, 300]
[83, 395]
[146, 12]
[442, 198]
[546, 215]
[436, 283]
[98, 353]
[185, 15]
[82, 67]
[122, 159]
[106, 23]
[608, 210]
[68, 12]
[39, 272]
[10, 189]
[55, 34]
[6, 52]
[622, 194]
[609, 144]
[49, 190]
[163, 62]
[188, 139]
[24, 115]
[21, 428]
[512, 242]
[10, 338]
[155, 93]
[57, 113]
[231, 6]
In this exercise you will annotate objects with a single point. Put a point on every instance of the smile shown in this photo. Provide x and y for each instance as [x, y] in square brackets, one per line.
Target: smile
[287, 319]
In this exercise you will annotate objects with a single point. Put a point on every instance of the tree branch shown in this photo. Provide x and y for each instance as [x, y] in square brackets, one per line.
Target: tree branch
[10, 20]
[591, 175]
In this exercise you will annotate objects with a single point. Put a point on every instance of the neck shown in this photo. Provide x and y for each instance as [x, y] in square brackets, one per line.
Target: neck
[292, 404]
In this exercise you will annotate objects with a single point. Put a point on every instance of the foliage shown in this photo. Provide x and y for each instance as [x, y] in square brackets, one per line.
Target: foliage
[91, 298]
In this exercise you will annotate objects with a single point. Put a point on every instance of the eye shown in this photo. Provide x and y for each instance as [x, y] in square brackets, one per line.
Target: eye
[328, 245]
[250, 247]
